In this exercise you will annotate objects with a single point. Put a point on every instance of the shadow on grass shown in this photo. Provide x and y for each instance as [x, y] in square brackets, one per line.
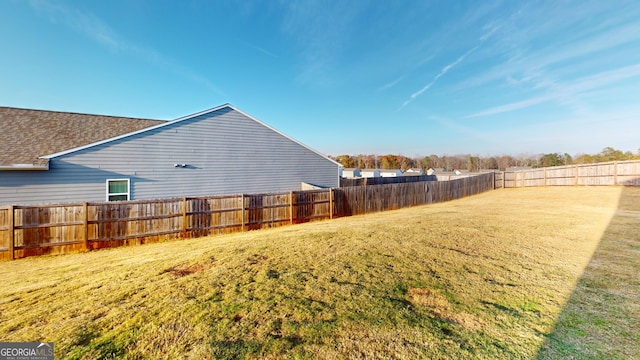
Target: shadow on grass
[602, 316]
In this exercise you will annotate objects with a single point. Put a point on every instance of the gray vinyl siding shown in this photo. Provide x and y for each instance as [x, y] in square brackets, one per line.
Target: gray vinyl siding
[226, 152]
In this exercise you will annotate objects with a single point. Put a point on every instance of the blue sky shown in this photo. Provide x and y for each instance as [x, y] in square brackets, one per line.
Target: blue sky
[404, 77]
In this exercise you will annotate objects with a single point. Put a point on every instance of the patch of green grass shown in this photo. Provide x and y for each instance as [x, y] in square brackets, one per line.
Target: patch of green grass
[507, 274]
[529, 305]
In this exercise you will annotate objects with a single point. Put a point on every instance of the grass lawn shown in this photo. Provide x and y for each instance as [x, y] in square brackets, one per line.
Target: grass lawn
[513, 273]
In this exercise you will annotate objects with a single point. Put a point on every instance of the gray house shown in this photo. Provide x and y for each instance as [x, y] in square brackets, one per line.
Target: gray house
[413, 172]
[54, 157]
[367, 173]
[350, 172]
[390, 172]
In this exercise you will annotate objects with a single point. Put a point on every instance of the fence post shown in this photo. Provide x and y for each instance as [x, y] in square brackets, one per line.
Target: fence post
[545, 176]
[11, 234]
[290, 207]
[330, 203]
[366, 201]
[242, 211]
[615, 172]
[575, 168]
[85, 229]
[183, 205]
[425, 187]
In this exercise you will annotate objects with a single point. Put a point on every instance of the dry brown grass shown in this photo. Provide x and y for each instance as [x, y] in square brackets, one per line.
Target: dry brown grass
[518, 273]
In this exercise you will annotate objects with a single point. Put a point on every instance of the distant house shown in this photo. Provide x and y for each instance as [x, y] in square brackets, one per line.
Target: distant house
[390, 172]
[51, 157]
[350, 172]
[370, 173]
[413, 172]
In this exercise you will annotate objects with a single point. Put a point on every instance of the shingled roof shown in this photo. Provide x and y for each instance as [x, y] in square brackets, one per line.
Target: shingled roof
[26, 135]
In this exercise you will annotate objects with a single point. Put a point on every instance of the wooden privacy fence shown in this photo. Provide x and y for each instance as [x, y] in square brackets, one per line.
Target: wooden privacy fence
[625, 173]
[380, 180]
[52, 229]
[357, 200]
[361, 181]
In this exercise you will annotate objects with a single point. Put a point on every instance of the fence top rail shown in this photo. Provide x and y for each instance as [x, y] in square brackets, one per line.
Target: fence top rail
[132, 202]
[618, 162]
[214, 197]
[46, 206]
[268, 194]
[315, 191]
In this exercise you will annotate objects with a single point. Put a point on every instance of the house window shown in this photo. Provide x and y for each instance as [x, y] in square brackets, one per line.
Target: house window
[118, 189]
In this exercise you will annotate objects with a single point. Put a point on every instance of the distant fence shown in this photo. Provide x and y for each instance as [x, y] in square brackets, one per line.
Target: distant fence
[381, 180]
[356, 200]
[362, 181]
[625, 173]
[53, 229]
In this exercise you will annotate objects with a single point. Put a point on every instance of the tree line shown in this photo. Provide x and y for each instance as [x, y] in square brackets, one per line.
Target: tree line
[477, 163]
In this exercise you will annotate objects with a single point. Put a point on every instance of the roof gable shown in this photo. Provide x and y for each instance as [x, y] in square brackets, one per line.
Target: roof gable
[182, 119]
[29, 135]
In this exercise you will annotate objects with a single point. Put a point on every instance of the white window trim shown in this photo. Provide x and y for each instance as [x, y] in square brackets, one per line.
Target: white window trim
[128, 193]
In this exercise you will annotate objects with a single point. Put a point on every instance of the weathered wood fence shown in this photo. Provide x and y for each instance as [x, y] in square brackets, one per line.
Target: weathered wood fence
[361, 181]
[53, 229]
[356, 200]
[625, 173]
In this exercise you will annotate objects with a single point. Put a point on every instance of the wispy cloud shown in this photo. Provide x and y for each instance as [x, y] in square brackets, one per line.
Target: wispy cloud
[458, 128]
[321, 33]
[567, 92]
[511, 107]
[262, 50]
[392, 83]
[85, 23]
[490, 29]
[442, 72]
[517, 54]
[99, 31]
[416, 65]
[529, 58]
